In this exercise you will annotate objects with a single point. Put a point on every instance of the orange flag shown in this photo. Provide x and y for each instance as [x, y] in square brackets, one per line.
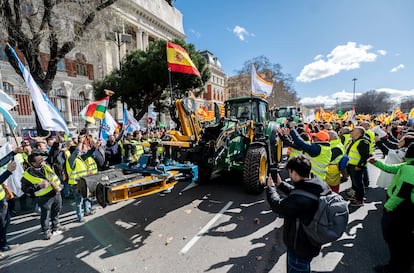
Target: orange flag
[179, 61]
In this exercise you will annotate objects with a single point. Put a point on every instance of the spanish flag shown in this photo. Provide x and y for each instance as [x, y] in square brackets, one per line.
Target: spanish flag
[179, 61]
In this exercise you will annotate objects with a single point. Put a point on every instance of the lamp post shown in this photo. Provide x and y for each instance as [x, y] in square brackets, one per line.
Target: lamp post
[353, 99]
[119, 38]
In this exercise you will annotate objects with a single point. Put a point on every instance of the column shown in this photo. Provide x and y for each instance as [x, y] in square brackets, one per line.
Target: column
[139, 39]
[67, 89]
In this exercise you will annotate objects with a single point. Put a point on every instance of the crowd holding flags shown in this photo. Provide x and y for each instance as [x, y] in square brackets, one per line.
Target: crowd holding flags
[49, 116]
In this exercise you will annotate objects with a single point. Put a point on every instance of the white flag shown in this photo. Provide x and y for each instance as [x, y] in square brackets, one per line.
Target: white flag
[14, 179]
[260, 87]
[49, 116]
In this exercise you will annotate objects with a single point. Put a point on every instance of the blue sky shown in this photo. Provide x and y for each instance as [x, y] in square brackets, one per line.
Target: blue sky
[322, 44]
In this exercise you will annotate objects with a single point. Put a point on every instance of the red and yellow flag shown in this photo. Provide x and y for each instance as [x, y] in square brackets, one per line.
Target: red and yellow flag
[179, 61]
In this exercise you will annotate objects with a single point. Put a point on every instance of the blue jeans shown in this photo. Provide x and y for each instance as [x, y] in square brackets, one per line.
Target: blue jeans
[82, 205]
[297, 265]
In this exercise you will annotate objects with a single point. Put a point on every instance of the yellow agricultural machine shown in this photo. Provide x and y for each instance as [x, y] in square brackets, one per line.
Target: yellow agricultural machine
[127, 181]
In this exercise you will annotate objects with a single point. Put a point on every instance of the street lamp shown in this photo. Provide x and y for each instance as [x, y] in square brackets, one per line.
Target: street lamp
[119, 38]
[353, 100]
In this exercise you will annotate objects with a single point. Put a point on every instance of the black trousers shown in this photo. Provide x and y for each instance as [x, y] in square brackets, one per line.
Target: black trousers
[397, 230]
[4, 221]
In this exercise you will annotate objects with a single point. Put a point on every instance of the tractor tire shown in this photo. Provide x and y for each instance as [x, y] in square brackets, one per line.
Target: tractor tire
[255, 170]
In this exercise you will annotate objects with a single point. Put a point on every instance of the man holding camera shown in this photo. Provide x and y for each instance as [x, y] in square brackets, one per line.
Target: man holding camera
[41, 181]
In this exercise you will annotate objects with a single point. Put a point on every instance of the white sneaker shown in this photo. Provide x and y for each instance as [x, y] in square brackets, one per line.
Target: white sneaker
[56, 232]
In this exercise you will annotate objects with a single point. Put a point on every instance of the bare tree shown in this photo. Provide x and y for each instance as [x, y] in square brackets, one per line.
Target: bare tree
[54, 25]
[373, 102]
[407, 105]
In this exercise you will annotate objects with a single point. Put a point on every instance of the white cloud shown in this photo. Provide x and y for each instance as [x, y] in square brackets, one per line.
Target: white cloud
[343, 96]
[382, 52]
[343, 57]
[241, 32]
[398, 67]
[195, 33]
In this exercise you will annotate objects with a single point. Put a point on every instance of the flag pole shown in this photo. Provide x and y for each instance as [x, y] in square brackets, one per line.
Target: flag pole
[171, 88]
[14, 135]
[108, 93]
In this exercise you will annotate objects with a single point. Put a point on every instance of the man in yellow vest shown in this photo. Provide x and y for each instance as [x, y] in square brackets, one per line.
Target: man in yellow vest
[76, 167]
[319, 150]
[358, 152]
[41, 181]
[333, 176]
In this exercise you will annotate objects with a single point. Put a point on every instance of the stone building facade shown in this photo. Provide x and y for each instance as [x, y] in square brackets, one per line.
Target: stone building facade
[140, 22]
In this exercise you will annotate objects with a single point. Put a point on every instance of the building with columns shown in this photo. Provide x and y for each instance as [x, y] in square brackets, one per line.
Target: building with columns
[135, 24]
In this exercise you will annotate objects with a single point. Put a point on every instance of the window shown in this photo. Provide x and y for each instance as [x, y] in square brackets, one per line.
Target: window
[81, 64]
[8, 87]
[61, 65]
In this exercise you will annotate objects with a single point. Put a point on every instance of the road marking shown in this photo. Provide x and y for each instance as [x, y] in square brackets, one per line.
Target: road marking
[205, 228]
[28, 230]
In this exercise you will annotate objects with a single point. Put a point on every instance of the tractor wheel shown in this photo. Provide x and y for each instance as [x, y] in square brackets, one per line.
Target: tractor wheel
[279, 151]
[255, 170]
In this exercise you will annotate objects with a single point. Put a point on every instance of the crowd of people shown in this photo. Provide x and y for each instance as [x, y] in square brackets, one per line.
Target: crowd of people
[52, 168]
[333, 153]
[330, 152]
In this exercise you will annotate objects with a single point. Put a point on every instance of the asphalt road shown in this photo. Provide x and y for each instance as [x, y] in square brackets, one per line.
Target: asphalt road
[210, 228]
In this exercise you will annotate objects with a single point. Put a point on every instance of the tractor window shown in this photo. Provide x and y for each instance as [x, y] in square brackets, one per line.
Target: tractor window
[263, 113]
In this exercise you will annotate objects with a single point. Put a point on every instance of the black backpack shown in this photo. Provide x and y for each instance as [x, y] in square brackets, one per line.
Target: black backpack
[330, 219]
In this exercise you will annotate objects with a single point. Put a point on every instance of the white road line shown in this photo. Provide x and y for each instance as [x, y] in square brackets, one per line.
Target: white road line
[205, 228]
[28, 230]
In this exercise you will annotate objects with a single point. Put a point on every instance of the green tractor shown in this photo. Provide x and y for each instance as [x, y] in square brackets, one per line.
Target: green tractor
[244, 141]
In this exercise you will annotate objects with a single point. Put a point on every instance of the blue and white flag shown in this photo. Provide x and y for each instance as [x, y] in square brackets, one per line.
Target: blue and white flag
[49, 116]
[130, 122]
[260, 87]
[108, 126]
[7, 103]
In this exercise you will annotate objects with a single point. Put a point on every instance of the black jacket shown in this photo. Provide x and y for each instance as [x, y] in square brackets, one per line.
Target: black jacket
[294, 207]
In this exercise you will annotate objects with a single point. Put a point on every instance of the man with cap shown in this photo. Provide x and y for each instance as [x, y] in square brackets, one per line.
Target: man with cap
[318, 150]
[358, 151]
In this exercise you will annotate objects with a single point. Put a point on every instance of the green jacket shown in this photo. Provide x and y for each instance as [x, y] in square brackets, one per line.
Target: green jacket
[402, 185]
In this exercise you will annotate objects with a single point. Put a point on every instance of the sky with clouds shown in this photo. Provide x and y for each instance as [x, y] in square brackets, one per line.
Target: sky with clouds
[322, 44]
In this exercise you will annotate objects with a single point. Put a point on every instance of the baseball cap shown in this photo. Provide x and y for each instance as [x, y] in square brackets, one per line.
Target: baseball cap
[322, 135]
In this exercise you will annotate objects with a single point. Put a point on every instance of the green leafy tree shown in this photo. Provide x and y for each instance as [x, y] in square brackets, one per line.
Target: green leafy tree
[143, 79]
